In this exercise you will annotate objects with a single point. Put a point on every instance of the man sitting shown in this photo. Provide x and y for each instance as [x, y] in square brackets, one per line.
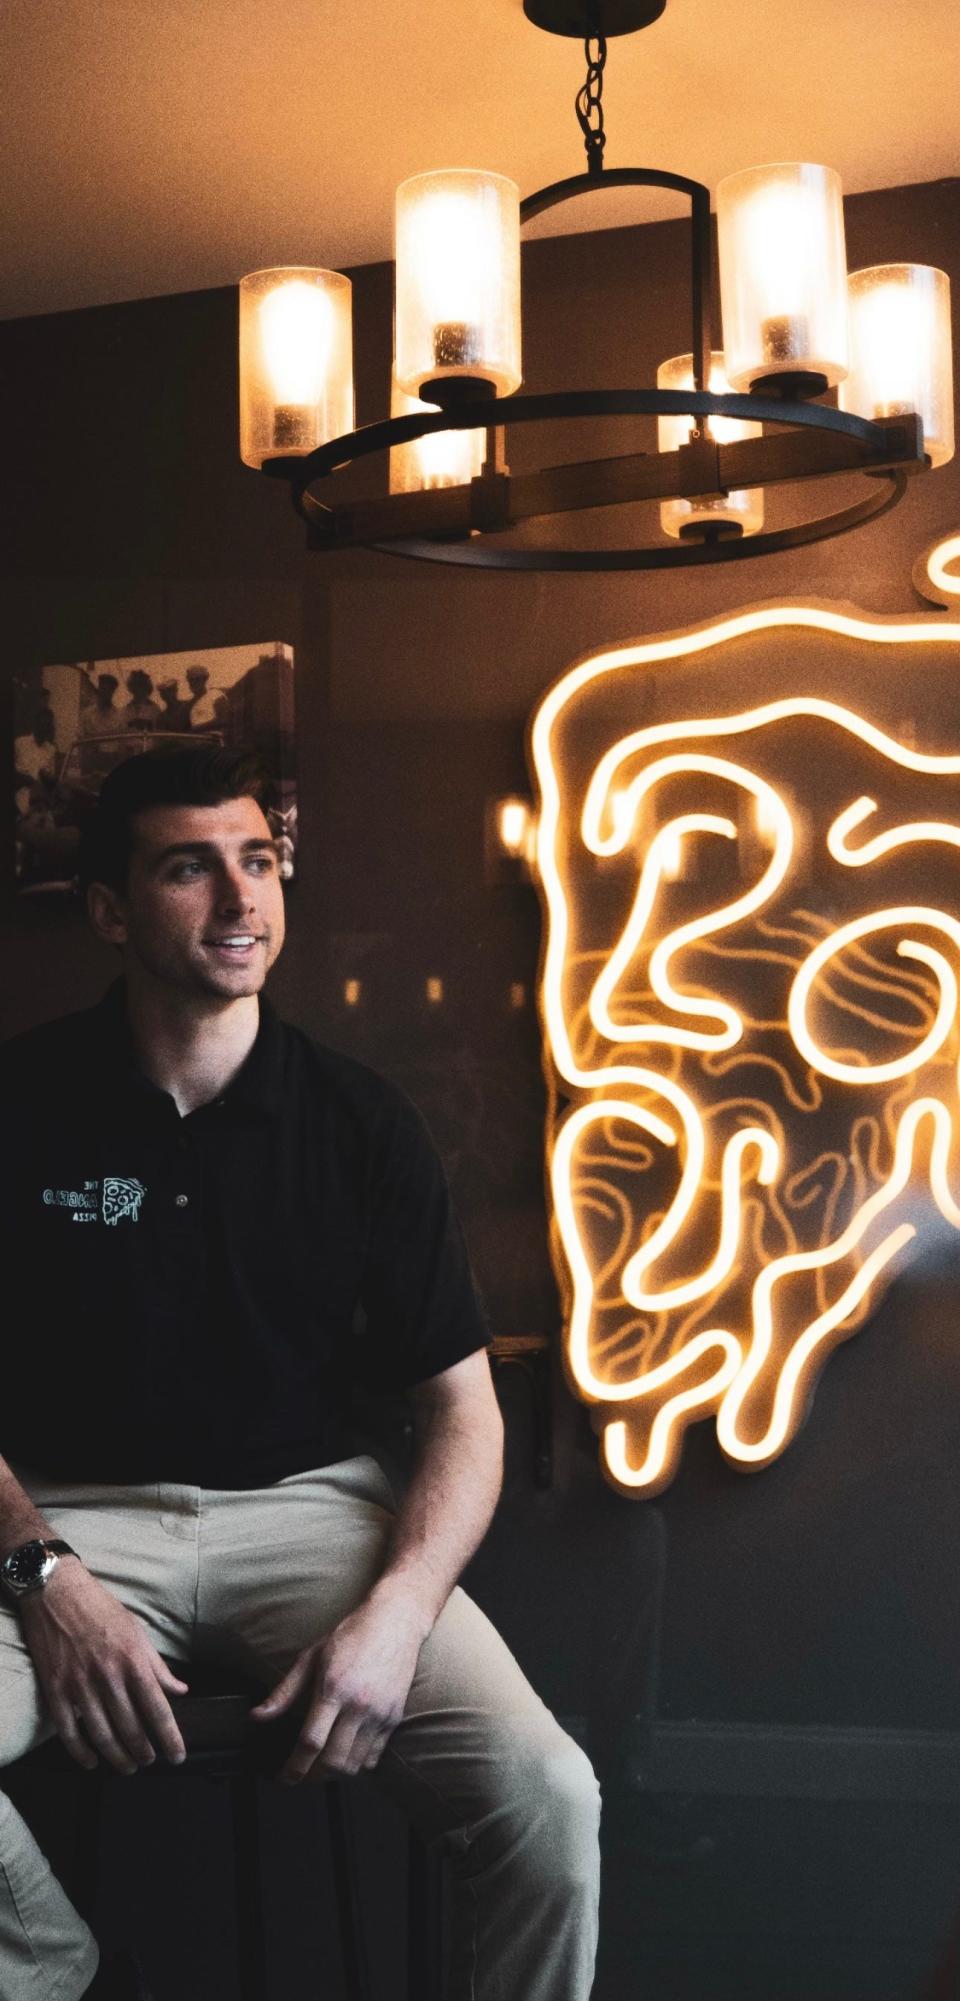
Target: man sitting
[232, 1223]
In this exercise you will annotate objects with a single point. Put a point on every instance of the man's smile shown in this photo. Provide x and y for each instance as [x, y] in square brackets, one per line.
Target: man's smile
[238, 945]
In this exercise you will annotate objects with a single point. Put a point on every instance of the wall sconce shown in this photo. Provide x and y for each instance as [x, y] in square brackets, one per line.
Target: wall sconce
[671, 856]
[510, 835]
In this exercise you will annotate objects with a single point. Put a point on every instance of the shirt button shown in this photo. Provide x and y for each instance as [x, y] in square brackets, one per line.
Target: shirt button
[182, 1201]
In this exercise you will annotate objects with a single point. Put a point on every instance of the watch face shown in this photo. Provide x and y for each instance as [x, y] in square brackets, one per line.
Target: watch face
[26, 1565]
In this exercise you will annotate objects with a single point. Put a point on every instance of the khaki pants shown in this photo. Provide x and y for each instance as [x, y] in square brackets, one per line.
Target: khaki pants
[251, 1577]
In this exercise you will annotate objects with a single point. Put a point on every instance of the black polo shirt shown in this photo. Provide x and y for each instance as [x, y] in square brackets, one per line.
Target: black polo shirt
[197, 1294]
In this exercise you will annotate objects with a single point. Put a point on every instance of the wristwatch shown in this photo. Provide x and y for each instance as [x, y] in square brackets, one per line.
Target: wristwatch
[30, 1567]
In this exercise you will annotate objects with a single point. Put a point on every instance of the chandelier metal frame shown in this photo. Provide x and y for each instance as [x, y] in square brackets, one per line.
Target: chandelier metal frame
[460, 525]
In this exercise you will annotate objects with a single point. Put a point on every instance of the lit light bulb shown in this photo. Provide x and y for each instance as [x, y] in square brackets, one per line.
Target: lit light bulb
[455, 243]
[890, 324]
[779, 227]
[447, 458]
[296, 324]
[901, 360]
[741, 508]
[782, 238]
[783, 273]
[458, 279]
[441, 458]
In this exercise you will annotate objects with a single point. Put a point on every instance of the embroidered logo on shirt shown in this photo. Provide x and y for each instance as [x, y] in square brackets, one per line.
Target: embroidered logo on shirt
[121, 1198]
[83, 1201]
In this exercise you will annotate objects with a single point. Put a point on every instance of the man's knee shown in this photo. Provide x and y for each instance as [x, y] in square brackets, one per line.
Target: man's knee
[556, 1812]
[572, 1791]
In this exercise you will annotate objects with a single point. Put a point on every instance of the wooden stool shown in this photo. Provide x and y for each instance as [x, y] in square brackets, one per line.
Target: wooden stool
[222, 1743]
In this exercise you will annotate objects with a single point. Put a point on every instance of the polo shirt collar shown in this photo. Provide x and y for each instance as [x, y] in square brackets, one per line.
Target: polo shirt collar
[257, 1083]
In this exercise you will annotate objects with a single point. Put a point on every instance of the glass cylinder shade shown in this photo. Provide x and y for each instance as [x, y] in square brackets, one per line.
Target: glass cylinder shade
[744, 507]
[442, 458]
[783, 273]
[901, 360]
[296, 362]
[458, 279]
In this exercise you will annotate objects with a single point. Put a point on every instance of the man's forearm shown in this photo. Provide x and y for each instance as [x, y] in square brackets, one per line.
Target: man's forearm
[20, 1521]
[446, 1510]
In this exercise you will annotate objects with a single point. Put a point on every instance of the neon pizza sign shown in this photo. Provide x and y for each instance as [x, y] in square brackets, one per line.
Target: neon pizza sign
[749, 998]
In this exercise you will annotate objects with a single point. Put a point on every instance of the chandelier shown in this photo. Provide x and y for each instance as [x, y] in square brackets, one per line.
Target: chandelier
[734, 416]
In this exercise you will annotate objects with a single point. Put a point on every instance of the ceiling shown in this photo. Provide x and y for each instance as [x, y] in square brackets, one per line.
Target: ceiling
[152, 146]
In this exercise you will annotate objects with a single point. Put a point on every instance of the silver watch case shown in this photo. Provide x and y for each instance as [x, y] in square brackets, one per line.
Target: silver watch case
[28, 1568]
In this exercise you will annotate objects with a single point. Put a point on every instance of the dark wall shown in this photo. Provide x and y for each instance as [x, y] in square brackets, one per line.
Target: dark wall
[823, 1589]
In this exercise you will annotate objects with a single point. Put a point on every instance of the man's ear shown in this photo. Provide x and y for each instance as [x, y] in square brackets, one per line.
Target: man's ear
[107, 913]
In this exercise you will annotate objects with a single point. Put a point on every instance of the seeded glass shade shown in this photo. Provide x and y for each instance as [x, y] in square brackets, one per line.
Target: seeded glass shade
[443, 458]
[296, 361]
[458, 280]
[783, 273]
[900, 350]
[745, 508]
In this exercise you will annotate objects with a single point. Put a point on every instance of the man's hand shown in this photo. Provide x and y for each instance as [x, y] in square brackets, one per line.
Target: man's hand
[99, 1672]
[356, 1681]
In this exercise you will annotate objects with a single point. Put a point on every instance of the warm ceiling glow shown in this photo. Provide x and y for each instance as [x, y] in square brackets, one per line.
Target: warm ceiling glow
[720, 1284]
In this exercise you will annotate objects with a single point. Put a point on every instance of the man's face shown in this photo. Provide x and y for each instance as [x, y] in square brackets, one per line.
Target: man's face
[203, 909]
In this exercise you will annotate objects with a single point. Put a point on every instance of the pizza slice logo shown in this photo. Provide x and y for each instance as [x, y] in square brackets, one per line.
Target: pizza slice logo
[121, 1198]
[749, 856]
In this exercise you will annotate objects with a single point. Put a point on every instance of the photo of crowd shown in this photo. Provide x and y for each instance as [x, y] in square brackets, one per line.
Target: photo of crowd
[74, 722]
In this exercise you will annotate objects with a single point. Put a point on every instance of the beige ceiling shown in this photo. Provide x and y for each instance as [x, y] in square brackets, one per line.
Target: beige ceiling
[151, 146]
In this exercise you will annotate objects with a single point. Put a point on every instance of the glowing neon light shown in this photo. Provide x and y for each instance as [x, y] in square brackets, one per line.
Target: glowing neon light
[882, 844]
[878, 920]
[627, 801]
[932, 572]
[761, 1451]
[689, 1306]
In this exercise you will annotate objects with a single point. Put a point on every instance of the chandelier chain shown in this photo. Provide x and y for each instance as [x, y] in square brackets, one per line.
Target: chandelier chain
[589, 103]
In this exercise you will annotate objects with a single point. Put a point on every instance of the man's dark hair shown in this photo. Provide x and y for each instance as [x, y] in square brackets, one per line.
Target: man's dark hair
[171, 775]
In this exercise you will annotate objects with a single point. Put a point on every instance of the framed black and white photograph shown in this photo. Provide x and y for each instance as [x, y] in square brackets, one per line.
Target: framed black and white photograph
[74, 722]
